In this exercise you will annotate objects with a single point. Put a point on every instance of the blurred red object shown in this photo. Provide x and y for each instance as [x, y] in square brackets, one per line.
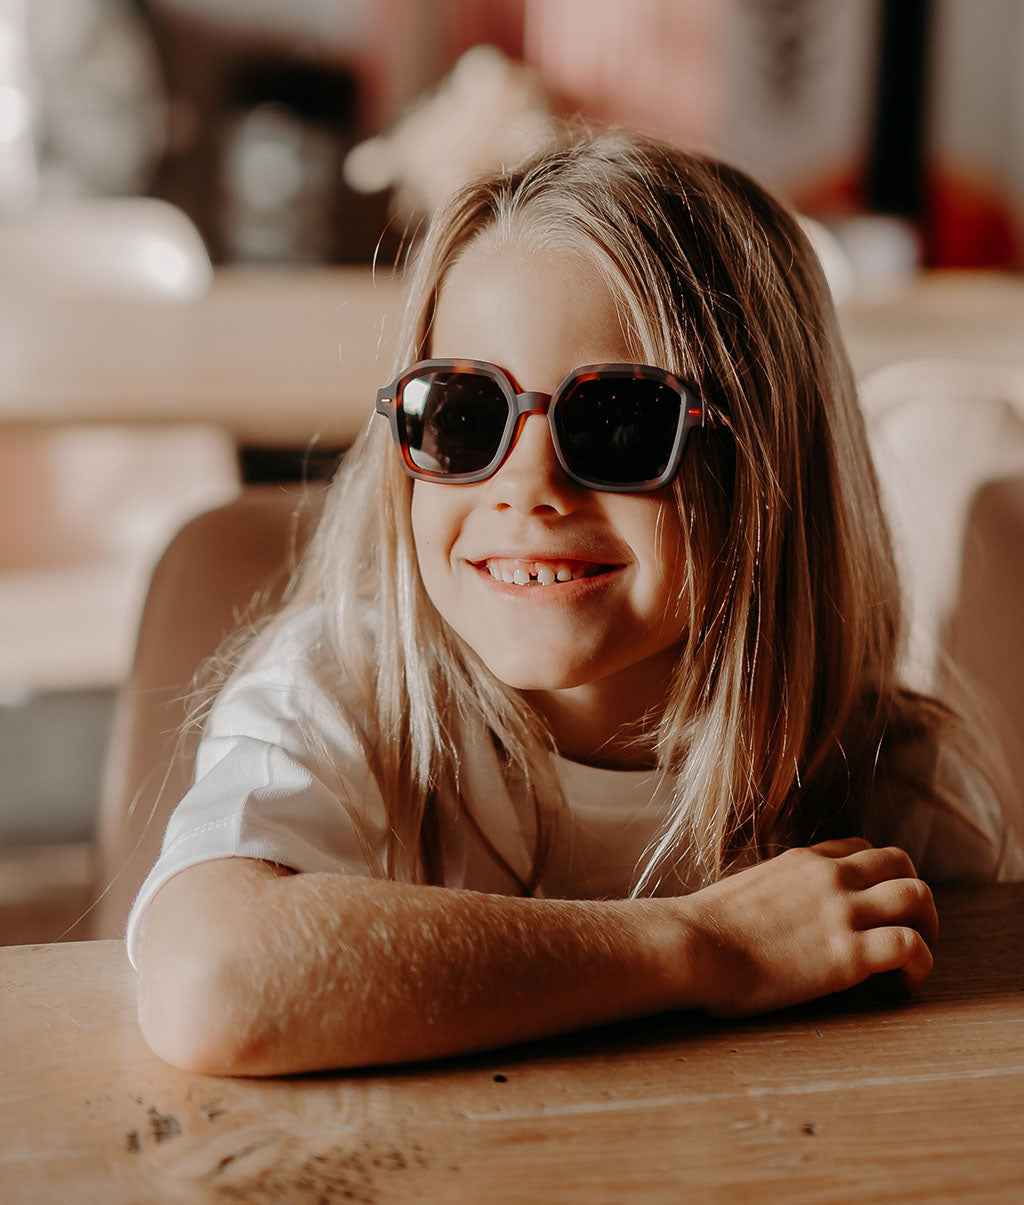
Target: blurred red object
[970, 223]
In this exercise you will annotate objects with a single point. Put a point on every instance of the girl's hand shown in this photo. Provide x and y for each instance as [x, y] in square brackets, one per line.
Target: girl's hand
[809, 922]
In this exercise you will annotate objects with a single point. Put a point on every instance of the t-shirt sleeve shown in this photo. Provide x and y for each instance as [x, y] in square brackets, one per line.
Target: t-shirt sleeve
[962, 837]
[281, 775]
[972, 841]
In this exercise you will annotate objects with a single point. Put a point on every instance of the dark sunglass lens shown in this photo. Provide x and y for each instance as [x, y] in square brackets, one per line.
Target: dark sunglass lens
[452, 421]
[618, 430]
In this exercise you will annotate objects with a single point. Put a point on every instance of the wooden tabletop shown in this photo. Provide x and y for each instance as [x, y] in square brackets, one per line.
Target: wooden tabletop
[866, 1097]
[280, 356]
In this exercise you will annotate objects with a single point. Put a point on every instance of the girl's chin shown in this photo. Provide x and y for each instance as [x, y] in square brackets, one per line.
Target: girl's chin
[537, 681]
[540, 674]
[599, 674]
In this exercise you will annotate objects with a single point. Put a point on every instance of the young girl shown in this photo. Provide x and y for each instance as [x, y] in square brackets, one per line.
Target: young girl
[584, 705]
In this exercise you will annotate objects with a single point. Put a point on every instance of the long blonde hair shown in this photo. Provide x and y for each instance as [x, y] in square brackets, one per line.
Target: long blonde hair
[785, 700]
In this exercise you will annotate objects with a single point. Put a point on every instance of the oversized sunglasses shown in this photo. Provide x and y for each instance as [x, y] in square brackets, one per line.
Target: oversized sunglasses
[619, 428]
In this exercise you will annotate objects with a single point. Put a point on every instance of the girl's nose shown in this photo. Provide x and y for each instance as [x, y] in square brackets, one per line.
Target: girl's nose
[531, 478]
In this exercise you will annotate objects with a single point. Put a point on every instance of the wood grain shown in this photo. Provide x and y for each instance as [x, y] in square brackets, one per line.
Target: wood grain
[866, 1097]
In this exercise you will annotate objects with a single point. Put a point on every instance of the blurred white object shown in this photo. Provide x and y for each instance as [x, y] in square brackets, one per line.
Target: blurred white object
[883, 250]
[948, 441]
[19, 176]
[489, 112]
[100, 111]
[113, 246]
[85, 512]
[835, 263]
[865, 254]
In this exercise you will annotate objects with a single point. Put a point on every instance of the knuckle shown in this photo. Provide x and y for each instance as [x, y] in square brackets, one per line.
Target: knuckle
[805, 861]
[901, 940]
[849, 956]
[801, 853]
[861, 963]
[909, 894]
[899, 859]
[920, 890]
[899, 944]
[844, 876]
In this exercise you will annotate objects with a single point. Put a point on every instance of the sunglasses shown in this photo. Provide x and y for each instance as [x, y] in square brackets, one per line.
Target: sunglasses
[619, 428]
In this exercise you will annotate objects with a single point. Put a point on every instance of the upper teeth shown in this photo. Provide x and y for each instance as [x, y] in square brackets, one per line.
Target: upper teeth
[521, 573]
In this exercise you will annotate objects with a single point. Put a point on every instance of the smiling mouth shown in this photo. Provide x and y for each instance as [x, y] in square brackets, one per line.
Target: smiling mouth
[514, 571]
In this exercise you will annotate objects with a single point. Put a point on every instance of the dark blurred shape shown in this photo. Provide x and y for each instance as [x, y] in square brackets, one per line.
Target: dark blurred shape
[259, 126]
[282, 197]
[895, 179]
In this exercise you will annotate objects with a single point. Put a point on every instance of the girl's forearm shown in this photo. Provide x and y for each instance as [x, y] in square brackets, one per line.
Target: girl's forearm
[245, 969]
[248, 971]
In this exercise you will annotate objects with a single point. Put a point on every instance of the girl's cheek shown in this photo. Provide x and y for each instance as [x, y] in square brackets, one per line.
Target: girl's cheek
[419, 516]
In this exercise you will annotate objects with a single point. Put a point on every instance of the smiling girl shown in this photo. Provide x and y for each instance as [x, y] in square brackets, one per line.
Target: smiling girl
[585, 702]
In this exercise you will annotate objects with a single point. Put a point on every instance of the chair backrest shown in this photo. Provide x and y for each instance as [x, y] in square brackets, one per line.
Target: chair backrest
[85, 511]
[948, 442]
[106, 491]
[204, 584]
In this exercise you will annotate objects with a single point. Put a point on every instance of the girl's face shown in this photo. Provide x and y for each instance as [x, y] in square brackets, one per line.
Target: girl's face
[492, 555]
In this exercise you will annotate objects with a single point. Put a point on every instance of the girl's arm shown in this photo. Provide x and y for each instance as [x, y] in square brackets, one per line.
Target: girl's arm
[247, 969]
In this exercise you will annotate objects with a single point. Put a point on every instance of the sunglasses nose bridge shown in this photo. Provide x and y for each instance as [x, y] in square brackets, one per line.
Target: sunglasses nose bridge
[532, 403]
[524, 405]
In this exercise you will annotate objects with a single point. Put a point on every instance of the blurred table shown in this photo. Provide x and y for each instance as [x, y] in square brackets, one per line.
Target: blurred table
[274, 355]
[280, 355]
[951, 314]
[864, 1097]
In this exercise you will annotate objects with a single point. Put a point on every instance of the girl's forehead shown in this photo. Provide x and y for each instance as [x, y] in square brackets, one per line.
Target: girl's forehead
[535, 311]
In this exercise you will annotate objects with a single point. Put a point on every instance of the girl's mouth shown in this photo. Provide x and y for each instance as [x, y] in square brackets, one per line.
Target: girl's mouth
[526, 572]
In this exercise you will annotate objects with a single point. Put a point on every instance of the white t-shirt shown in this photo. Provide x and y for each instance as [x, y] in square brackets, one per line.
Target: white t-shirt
[261, 791]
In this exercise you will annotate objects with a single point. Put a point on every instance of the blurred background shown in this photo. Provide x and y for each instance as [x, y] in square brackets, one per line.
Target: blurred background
[201, 202]
[241, 112]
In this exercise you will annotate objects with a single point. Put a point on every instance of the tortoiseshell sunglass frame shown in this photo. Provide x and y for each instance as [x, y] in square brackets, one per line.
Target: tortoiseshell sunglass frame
[521, 404]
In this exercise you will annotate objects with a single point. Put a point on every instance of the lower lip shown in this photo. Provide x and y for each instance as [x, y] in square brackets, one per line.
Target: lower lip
[575, 591]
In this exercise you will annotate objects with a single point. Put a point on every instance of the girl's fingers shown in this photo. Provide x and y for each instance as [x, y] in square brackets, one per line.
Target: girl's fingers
[866, 867]
[906, 902]
[841, 847]
[896, 948]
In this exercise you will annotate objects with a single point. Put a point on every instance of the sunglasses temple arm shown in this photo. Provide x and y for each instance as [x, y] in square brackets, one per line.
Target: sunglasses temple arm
[706, 417]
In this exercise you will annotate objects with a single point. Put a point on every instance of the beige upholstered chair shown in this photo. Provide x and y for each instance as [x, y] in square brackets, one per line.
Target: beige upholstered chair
[204, 584]
[84, 513]
[948, 440]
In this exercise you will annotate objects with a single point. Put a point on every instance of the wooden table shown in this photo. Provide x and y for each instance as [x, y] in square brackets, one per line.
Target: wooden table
[864, 1098]
[278, 356]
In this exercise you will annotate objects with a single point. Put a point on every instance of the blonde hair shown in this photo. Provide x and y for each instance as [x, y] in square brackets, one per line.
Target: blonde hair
[786, 701]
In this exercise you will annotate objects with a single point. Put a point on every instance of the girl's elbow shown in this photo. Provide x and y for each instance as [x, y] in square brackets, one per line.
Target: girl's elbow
[196, 1014]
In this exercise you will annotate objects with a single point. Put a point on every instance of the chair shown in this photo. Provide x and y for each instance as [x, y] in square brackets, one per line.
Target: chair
[948, 442]
[84, 514]
[204, 583]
